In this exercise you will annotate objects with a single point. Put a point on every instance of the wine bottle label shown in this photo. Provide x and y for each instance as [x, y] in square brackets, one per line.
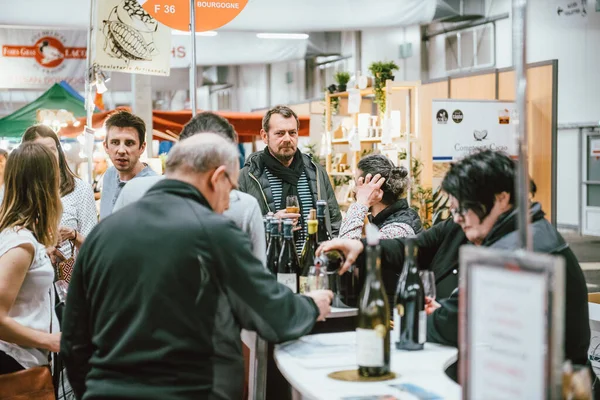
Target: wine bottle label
[288, 280]
[369, 347]
[397, 322]
[303, 284]
[422, 327]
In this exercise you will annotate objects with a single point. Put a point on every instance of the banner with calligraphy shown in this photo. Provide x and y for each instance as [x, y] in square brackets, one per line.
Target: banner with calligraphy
[36, 59]
[128, 39]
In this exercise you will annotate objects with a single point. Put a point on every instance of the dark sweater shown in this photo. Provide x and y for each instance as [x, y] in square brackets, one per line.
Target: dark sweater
[438, 251]
[159, 294]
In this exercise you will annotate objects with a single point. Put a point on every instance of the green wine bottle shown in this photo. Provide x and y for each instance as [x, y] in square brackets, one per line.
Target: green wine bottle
[373, 328]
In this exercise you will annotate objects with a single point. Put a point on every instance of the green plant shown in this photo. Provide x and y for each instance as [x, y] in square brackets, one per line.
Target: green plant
[342, 78]
[311, 150]
[365, 152]
[441, 209]
[341, 180]
[381, 71]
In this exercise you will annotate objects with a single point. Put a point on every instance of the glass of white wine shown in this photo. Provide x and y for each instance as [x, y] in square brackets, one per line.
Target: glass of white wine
[291, 205]
[317, 279]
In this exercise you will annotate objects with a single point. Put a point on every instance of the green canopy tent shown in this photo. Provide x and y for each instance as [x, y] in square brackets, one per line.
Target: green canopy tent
[55, 98]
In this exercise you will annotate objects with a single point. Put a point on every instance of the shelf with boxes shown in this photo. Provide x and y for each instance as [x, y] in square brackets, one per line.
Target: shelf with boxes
[361, 127]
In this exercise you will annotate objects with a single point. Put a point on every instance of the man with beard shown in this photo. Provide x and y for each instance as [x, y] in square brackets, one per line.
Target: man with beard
[124, 144]
[281, 170]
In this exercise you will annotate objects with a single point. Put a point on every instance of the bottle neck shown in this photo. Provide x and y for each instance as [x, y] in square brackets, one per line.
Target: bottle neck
[373, 263]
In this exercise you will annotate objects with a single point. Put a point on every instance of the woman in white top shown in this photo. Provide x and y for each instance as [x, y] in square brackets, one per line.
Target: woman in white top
[3, 157]
[79, 208]
[29, 216]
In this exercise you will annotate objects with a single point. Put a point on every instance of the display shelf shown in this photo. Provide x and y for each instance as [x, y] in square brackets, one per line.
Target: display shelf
[350, 174]
[402, 142]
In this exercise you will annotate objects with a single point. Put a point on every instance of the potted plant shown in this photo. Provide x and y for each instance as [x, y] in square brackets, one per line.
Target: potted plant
[342, 79]
[382, 71]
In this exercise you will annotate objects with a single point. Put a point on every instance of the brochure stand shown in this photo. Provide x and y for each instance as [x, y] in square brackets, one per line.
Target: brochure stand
[511, 324]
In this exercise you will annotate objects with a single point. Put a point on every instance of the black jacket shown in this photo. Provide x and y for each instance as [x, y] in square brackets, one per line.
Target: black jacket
[399, 212]
[442, 324]
[439, 248]
[254, 181]
[438, 251]
[158, 296]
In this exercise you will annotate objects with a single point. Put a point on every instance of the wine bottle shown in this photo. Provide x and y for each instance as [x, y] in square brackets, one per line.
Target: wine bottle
[322, 232]
[332, 260]
[267, 221]
[373, 328]
[410, 319]
[288, 267]
[307, 257]
[274, 246]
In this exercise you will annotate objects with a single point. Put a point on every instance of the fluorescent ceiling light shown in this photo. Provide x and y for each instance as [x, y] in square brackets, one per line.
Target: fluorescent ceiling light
[282, 35]
[187, 33]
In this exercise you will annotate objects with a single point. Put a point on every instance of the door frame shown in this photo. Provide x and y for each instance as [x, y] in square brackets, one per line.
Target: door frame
[585, 209]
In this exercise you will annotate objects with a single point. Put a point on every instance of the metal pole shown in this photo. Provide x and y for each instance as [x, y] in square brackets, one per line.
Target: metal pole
[520, 60]
[193, 54]
[89, 102]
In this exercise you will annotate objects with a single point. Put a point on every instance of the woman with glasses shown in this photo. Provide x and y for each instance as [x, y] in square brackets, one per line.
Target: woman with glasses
[482, 198]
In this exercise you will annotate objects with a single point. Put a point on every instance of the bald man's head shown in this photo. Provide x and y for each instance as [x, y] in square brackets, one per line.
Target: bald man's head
[201, 153]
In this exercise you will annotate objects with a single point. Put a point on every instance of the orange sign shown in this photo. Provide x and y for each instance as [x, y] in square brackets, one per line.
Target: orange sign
[209, 14]
[48, 51]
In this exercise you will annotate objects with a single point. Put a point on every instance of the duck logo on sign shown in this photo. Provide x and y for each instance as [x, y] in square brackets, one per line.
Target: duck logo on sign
[48, 51]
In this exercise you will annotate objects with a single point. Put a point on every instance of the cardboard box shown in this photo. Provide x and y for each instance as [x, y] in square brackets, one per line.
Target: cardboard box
[594, 350]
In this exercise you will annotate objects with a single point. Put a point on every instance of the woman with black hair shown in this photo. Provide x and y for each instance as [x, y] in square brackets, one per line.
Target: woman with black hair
[481, 188]
[381, 190]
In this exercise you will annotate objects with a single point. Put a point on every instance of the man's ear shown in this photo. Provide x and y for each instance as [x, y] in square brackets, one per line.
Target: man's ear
[143, 147]
[217, 176]
[265, 136]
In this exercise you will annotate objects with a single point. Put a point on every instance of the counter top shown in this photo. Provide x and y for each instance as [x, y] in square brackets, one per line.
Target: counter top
[306, 362]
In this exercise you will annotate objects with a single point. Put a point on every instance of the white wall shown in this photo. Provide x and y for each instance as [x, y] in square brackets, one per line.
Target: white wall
[283, 92]
[575, 43]
[251, 87]
[384, 45]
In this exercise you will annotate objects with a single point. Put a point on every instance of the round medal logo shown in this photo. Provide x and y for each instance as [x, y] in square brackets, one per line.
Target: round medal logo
[49, 52]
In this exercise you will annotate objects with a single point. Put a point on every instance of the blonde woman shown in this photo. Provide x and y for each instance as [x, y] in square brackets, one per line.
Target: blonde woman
[29, 217]
[79, 207]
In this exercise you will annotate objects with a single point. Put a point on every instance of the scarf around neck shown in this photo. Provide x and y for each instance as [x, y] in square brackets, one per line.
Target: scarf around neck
[288, 175]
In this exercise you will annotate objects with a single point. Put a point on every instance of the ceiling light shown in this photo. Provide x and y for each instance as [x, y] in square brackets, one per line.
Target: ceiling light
[187, 33]
[295, 36]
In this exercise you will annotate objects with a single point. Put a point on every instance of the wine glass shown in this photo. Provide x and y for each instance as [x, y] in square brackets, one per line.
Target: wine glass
[428, 279]
[291, 205]
[317, 279]
[61, 288]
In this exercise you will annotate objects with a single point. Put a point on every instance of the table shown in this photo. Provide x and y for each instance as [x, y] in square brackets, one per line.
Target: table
[306, 362]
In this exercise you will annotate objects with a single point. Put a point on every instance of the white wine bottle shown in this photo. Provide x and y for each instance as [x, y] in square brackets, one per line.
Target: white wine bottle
[373, 328]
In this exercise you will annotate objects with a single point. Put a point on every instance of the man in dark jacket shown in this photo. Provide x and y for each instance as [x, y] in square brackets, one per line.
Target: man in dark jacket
[281, 170]
[162, 288]
[481, 190]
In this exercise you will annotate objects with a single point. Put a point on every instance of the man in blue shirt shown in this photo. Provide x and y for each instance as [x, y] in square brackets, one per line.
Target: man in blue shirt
[124, 144]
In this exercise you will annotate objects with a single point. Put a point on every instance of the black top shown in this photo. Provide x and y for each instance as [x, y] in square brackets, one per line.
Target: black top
[158, 296]
[438, 251]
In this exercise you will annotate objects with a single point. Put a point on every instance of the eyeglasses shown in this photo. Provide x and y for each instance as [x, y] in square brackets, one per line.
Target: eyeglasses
[233, 185]
[459, 211]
